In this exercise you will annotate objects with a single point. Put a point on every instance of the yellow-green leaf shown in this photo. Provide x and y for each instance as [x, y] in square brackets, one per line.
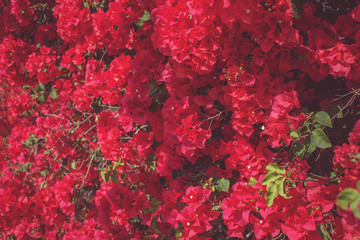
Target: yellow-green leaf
[223, 184]
[273, 167]
[270, 177]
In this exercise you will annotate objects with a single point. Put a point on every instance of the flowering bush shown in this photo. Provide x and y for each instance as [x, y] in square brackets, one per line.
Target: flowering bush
[179, 119]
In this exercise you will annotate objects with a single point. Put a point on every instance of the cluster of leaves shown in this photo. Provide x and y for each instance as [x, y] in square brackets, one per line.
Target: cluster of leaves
[310, 135]
[274, 182]
[210, 119]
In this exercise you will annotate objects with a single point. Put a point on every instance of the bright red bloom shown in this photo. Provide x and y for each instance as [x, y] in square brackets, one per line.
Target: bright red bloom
[191, 135]
[237, 208]
[158, 119]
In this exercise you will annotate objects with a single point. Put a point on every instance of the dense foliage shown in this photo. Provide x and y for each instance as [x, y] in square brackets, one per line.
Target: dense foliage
[179, 119]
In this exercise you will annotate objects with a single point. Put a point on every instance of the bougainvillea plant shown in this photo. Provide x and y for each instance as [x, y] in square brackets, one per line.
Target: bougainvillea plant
[179, 119]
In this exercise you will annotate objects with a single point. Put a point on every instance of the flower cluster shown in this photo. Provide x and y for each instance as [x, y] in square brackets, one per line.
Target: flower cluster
[178, 119]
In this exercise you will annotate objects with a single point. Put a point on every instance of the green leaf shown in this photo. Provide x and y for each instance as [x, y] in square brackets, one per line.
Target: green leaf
[223, 184]
[323, 118]
[309, 147]
[358, 184]
[270, 177]
[117, 164]
[273, 167]
[346, 197]
[153, 165]
[104, 175]
[41, 97]
[114, 177]
[252, 181]
[294, 134]
[216, 207]
[178, 234]
[123, 176]
[333, 175]
[146, 210]
[73, 164]
[26, 86]
[24, 168]
[323, 232]
[297, 8]
[53, 94]
[354, 205]
[86, 4]
[280, 187]
[271, 194]
[155, 203]
[153, 224]
[145, 17]
[319, 139]
[298, 149]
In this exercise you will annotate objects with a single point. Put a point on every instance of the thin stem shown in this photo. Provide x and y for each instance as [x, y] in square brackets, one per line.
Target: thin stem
[88, 170]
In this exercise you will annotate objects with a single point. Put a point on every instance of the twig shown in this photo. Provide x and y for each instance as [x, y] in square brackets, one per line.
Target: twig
[54, 115]
[102, 56]
[279, 236]
[88, 170]
[349, 103]
[315, 175]
[354, 91]
[87, 131]
[62, 146]
[71, 133]
[213, 117]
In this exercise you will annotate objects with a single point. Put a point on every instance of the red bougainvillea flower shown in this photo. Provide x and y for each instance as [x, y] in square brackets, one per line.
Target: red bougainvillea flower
[237, 208]
[159, 119]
